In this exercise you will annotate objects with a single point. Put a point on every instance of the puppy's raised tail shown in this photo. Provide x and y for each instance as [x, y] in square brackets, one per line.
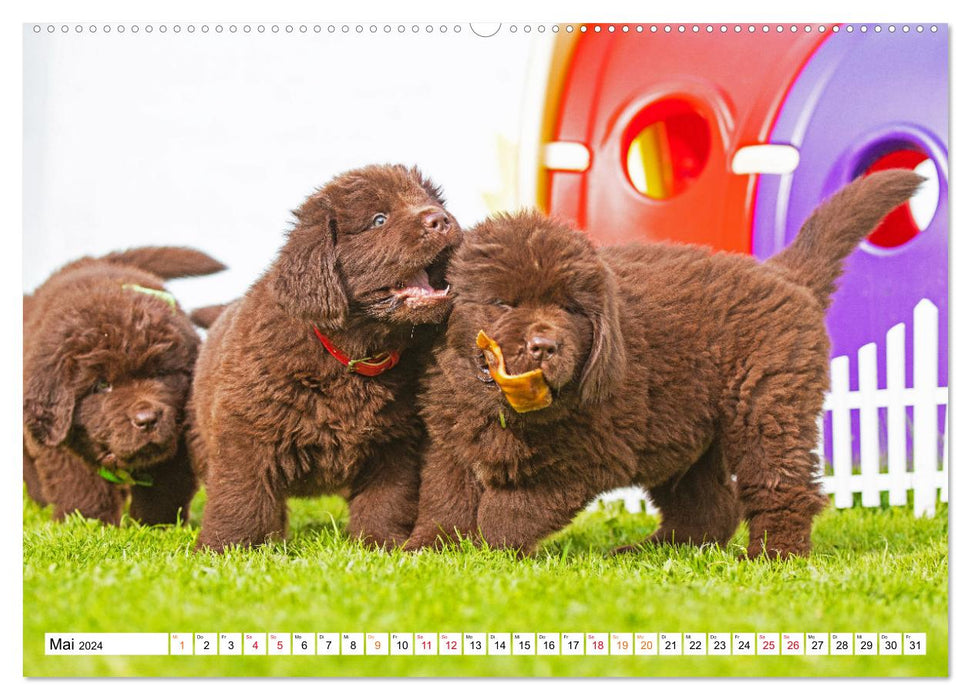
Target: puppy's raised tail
[835, 228]
[168, 262]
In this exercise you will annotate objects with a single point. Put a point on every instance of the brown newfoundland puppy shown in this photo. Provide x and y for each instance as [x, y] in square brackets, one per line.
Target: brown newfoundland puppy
[662, 366]
[108, 359]
[307, 384]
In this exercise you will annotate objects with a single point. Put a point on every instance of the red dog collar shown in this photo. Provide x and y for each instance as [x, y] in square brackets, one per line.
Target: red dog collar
[366, 366]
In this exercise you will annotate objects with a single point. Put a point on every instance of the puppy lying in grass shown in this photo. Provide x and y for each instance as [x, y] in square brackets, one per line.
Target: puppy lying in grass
[307, 384]
[567, 371]
[108, 358]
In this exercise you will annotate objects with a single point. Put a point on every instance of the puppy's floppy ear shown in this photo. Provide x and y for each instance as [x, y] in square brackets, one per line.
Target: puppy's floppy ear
[48, 400]
[607, 363]
[308, 283]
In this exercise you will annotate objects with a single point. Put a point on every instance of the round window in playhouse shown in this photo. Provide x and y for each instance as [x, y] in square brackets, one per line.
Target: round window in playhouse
[907, 220]
[666, 147]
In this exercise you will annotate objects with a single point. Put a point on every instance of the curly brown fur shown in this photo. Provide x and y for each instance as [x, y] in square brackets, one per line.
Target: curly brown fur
[673, 369]
[274, 415]
[107, 370]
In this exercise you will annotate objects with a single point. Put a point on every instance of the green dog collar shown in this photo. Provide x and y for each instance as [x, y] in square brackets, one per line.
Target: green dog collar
[157, 293]
[120, 476]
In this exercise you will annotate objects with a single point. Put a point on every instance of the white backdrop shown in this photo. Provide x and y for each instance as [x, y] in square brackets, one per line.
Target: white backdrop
[211, 139]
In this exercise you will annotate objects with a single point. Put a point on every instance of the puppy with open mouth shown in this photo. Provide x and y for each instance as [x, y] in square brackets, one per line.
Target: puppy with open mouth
[307, 384]
[566, 371]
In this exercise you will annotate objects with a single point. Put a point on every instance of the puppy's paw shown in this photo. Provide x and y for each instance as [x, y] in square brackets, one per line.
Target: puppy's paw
[660, 537]
[385, 540]
[433, 538]
[376, 544]
[773, 552]
[636, 548]
[203, 548]
[417, 543]
[211, 545]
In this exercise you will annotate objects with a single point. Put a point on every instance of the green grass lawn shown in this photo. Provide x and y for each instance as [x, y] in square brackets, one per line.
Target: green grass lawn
[872, 570]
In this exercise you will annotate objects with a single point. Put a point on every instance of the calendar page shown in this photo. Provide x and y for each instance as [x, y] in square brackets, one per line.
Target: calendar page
[218, 215]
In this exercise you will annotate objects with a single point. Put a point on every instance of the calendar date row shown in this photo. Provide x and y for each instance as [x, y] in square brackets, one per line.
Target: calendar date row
[491, 644]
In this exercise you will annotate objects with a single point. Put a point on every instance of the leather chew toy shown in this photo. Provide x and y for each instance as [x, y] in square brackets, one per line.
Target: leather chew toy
[524, 392]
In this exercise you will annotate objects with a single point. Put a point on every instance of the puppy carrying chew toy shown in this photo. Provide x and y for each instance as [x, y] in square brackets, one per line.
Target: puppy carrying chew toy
[108, 358]
[667, 367]
[307, 384]
[524, 392]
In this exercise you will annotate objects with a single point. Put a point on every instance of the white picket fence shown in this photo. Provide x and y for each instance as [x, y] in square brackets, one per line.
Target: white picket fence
[928, 462]
[922, 469]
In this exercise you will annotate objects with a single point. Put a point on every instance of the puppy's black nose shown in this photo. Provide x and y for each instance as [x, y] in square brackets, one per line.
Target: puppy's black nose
[145, 418]
[436, 222]
[541, 348]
